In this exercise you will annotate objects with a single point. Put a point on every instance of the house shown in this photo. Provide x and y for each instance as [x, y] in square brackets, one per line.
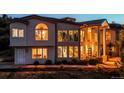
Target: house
[37, 38]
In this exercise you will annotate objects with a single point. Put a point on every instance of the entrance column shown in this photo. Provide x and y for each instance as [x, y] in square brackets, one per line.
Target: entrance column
[98, 43]
[104, 45]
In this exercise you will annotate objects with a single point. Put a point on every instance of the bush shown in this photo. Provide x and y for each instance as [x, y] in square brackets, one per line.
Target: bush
[122, 57]
[93, 61]
[74, 61]
[48, 62]
[83, 62]
[58, 62]
[36, 63]
[64, 62]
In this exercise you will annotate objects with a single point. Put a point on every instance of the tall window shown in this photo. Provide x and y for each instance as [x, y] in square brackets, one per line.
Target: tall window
[82, 36]
[39, 53]
[89, 34]
[62, 36]
[41, 32]
[17, 32]
[70, 35]
[62, 51]
[73, 51]
[73, 35]
[108, 36]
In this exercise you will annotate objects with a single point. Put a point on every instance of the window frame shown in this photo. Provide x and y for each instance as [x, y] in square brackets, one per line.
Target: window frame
[73, 54]
[42, 53]
[18, 34]
[62, 52]
[46, 29]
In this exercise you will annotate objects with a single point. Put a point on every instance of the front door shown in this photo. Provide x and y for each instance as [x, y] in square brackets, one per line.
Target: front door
[20, 55]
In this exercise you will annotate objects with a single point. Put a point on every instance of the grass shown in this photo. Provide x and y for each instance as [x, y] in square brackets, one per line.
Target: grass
[57, 75]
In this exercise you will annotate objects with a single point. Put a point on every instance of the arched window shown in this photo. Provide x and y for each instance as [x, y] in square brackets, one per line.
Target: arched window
[41, 32]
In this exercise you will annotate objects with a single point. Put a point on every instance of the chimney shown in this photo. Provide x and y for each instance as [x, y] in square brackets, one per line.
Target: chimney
[70, 19]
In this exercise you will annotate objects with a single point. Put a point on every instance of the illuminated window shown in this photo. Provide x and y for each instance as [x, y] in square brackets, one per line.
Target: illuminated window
[89, 34]
[44, 53]
[62, 36]
[59, 51]
[108, 36]
[14, 32]
[82, 36]
[17, 32]
[121, 35]
[62, 51]
[65, 37]
[75, 35]
[73, 51]
[21, 33]
[71, 37]
[39, 53]
[41, 32]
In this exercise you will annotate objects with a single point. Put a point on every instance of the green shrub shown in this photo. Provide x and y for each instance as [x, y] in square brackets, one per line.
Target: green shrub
[58, 62]
[36, 63]
[74, 61]
[93, 61]
[83, 62]
[64, 62]
[122, 57]
[48, 62]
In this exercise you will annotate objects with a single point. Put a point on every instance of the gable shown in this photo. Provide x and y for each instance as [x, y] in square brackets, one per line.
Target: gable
[105, 24]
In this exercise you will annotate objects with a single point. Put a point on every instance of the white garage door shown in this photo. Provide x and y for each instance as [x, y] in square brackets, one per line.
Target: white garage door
[20, 56]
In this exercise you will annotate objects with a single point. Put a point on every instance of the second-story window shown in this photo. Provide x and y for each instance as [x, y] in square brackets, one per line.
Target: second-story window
[68, 35]
[17, 32]
[41, 32]
[73, 35]
[62, 36]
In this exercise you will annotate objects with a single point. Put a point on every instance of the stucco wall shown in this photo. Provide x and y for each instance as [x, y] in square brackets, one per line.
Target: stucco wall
[28, 55]
[15, 41]
[29, 34]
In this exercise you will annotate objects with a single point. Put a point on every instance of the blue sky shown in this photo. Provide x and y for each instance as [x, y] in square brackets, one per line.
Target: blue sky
[118, 18]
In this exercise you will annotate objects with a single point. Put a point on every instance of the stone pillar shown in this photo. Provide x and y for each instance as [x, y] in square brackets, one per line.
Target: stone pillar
[98, 42]
[104, 46]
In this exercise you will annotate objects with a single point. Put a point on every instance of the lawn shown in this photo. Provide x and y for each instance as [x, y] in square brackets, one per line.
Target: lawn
[58, 75]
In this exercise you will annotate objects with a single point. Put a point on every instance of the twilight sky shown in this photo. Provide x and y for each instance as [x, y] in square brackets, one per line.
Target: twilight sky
[118, 18]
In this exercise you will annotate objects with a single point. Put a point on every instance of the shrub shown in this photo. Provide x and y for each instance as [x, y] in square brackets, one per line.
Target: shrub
[74, 61]
[36, 63]
[122, 57]
[48, 62]
[93, 61]
[58, 62]
[83, 62]
[64, 62]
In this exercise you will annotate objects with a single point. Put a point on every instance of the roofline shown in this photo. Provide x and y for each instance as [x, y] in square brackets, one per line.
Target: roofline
[49, 19]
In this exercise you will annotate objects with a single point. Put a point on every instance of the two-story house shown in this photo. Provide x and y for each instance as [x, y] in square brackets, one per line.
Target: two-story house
[40, 38]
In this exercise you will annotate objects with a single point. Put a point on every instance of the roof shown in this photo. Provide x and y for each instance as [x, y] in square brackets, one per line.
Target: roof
[49, 19]
[116, 26]
[93, 22]
[56, 20]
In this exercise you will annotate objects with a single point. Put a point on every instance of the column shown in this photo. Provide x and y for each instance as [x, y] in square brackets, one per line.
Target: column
[104, 45]
[98, 43]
